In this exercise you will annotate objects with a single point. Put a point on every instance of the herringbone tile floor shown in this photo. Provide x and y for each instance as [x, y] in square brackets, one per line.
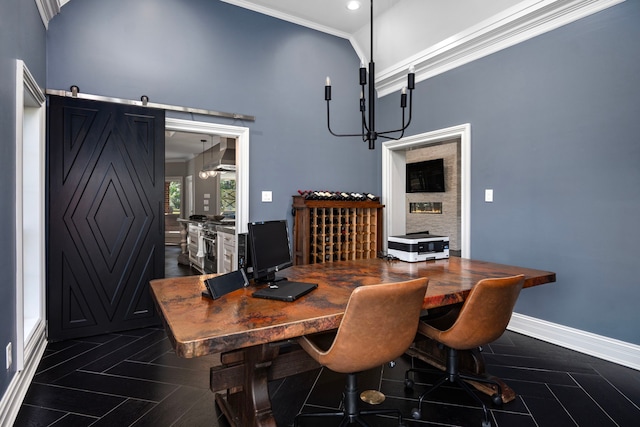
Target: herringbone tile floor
[134, 379]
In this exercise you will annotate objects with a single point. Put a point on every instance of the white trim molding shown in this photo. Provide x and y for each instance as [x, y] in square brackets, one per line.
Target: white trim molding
[17, 390]
[393, 180]
[48, 9]
[30, 128]
[242, 159]
[605, 348]
[30, 339]
[526, 20]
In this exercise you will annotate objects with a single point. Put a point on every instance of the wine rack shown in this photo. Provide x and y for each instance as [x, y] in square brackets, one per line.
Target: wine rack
[330, 230]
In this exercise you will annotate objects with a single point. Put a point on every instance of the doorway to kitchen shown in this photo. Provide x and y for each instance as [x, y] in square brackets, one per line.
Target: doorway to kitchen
[233, 185]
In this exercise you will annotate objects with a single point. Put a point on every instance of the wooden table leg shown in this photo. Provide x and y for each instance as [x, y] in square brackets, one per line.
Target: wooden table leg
[471, 361]
[249, 405]
[245, 374]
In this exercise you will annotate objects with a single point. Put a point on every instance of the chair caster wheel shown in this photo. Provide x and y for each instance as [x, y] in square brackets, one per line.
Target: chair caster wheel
[496, 399]
[408, 383]
[486, 424]
[415, 414]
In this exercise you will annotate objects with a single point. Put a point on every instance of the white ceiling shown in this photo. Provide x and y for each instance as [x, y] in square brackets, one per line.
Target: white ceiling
[184, 146]
[402, 28]
[330, 16]
[434, 36]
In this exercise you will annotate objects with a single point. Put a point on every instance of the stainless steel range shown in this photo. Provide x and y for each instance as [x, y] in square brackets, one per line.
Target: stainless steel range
[203, 245]
[210, 250]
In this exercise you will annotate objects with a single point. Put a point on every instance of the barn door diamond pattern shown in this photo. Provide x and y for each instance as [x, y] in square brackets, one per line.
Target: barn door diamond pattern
[105, 215]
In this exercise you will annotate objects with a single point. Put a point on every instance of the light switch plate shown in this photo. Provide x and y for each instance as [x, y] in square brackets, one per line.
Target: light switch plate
[267, 196]
[8, 356]
[488, 195]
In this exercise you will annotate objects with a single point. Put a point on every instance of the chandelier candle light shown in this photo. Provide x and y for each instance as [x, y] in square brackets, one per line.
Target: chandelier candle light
[368, 131]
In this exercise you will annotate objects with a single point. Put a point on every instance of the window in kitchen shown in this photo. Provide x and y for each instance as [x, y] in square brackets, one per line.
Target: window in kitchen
[228, 193]
[175, 196]
[172, 209]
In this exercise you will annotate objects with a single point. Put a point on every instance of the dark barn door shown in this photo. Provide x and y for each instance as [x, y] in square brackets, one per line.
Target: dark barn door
[105, 216]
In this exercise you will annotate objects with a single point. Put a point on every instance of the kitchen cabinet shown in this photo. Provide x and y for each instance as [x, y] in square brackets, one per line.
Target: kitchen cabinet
[226, 244]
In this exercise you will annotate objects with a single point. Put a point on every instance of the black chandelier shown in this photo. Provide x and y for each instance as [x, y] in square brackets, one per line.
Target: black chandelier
[368, 132]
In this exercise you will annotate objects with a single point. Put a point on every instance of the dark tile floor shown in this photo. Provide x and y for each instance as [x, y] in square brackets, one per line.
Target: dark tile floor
[133, 378]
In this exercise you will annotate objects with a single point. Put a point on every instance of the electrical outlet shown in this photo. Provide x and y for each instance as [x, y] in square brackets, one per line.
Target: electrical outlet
[9, 358]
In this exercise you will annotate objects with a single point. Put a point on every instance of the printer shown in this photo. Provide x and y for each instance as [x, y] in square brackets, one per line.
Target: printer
[417, 247]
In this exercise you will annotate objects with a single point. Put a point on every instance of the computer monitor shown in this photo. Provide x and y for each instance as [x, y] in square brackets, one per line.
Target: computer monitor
[270, 249]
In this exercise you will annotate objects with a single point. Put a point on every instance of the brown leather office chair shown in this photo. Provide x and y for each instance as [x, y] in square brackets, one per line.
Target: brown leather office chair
[483, 318]
[379, 324]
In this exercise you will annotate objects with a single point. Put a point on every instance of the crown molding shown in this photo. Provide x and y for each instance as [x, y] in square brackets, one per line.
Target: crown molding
[48, 9]
[515, 25]
[526, 20]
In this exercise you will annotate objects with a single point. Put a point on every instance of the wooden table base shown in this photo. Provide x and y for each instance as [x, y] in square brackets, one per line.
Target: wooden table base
[245, 374]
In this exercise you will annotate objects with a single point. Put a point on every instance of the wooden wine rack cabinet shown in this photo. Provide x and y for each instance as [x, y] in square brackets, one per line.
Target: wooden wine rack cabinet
[334, 230]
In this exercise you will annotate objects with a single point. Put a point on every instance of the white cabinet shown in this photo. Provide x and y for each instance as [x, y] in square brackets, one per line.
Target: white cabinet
[226, 243]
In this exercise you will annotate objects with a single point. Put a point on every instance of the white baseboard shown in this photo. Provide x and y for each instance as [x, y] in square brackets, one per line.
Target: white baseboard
[15, 393]
[610, 349]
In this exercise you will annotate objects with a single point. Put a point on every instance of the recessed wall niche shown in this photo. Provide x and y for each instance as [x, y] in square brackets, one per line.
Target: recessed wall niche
[447, 223]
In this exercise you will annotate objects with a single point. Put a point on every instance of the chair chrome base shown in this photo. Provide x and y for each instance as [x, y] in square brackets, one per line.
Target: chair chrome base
[351, 414]
[453, 375]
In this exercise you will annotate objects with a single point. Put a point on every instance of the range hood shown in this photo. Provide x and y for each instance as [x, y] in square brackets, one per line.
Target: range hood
[225, 160]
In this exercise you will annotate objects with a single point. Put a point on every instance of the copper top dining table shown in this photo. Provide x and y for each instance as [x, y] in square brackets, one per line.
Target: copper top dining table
[243, 328]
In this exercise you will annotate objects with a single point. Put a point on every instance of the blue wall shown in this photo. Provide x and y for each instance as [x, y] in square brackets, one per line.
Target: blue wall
[22, 36]
[208, 54]
[554, 128]
[554, 131]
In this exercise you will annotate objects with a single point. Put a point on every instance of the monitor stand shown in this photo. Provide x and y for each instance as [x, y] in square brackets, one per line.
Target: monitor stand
[271, 279]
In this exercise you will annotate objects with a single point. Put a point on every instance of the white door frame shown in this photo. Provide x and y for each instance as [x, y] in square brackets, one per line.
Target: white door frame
[394, 175]
[241, 134]
[30, 333]
[30, 210]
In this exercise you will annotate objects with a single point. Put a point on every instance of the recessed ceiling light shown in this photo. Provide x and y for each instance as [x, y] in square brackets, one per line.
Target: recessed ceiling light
[353, 5]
